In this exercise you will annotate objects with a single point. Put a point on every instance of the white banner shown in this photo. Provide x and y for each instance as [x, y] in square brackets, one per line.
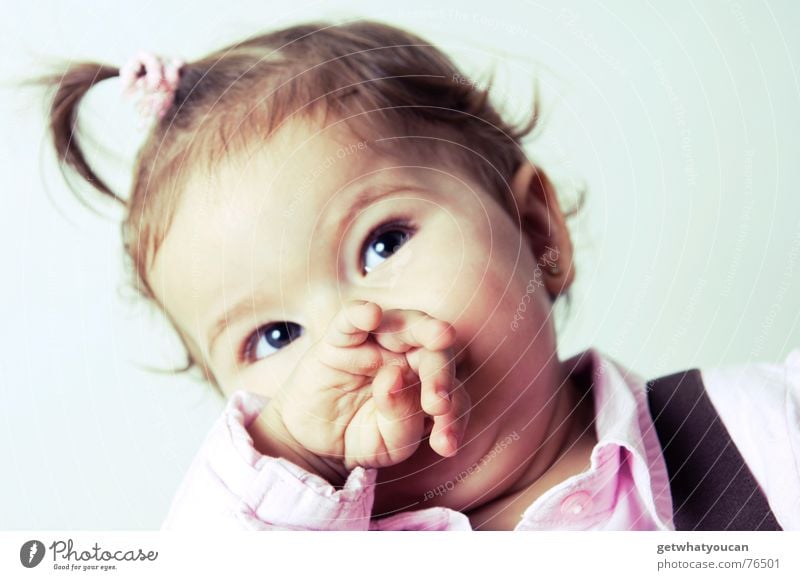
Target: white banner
[387, 555]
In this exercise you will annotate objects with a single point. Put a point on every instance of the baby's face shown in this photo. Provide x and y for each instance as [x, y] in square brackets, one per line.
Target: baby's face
[260, 257]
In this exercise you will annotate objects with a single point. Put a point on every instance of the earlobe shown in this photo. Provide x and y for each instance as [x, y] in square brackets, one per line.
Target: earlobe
[544, 226]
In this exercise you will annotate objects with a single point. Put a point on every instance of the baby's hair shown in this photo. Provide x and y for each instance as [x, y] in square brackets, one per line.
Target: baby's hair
[383, 81]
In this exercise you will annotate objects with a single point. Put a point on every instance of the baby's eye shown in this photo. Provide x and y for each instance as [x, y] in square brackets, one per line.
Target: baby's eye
[269, 339]
[383, 242]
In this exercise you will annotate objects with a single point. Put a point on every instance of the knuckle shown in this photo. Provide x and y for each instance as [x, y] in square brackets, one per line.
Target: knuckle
[443, 382]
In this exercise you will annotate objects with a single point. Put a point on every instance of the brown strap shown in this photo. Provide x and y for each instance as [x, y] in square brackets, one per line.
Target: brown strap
[712, 487]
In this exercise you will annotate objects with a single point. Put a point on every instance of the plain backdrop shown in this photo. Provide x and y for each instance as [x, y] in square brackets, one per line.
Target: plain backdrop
[679, 118]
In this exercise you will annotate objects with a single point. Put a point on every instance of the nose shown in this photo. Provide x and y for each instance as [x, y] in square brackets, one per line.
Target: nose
[324, 304]
[321, 308]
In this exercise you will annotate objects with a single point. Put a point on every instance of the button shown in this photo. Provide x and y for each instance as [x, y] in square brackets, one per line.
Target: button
[576, 503]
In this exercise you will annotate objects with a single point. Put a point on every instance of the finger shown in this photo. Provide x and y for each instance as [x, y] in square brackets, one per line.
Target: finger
[395, 399]
[353, 323]
[401, 330]
[449, 429]
[365, 360]
[399, 418]
[437, 373]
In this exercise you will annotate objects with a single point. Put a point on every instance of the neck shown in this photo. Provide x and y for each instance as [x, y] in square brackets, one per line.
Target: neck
[566, 452]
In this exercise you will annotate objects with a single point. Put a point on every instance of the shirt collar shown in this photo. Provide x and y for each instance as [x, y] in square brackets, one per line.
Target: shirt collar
[622, 418]
[625, 433]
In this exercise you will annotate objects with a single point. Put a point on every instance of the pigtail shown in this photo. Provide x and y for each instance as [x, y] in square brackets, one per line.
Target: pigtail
[69, 86]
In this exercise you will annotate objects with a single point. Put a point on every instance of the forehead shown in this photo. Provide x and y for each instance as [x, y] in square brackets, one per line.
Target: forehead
[298, 169]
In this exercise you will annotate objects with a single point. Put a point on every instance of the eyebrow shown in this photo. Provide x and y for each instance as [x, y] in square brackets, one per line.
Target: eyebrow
[364, 197]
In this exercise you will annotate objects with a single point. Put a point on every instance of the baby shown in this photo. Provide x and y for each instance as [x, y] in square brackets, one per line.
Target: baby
[354, 248]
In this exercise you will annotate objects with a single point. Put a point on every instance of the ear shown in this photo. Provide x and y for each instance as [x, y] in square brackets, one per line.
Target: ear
[544, 226]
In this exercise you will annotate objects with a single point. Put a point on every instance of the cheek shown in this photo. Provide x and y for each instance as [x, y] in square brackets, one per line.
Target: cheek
[497, 304]
[498, 295]
[266, 376]
[497, 269]
[474, 278]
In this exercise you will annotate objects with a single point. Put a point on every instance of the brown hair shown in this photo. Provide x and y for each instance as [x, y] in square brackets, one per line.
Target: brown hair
[245, 91]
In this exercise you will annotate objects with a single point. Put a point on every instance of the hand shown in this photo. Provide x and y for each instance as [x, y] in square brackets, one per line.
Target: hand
[360, 395]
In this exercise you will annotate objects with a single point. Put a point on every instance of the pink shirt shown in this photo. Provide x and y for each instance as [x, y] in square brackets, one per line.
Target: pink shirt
[231, 486]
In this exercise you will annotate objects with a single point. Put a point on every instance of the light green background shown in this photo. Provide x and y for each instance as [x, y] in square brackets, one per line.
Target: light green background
[681, 118]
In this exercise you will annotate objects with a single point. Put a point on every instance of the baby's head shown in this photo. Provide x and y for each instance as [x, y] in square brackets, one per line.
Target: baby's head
[319, 164]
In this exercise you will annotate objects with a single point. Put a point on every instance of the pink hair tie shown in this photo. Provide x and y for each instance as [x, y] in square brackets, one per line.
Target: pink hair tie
[156, 78]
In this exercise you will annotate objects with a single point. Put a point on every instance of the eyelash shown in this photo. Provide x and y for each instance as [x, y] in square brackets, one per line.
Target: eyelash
[398, 222]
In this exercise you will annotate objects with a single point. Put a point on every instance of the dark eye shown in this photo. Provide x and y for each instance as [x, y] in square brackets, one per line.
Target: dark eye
[269, 339]
[383, 242]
